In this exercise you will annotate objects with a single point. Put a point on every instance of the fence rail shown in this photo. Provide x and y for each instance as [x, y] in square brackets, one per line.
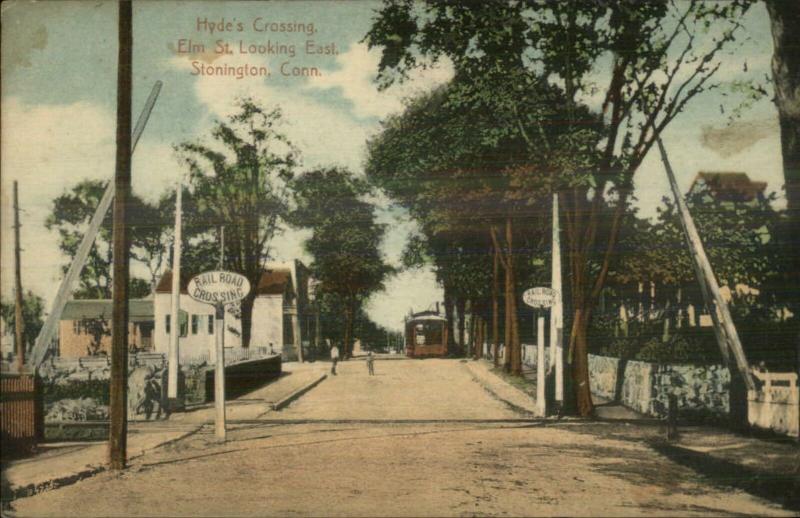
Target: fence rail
[22, 413]
[232, 356]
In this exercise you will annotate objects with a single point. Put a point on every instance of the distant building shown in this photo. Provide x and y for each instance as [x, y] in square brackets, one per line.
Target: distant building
[85, 327]
[280, 312]
[728, 187]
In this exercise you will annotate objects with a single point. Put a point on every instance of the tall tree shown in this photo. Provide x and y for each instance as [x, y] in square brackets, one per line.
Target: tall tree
[345, 240]
[32, 316]
[785, 21]
[661, 54]
[457, 159]
[241, 182]
[70, 217]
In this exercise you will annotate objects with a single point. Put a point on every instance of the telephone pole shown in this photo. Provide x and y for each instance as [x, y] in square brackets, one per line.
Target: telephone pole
[118, 401]
[19, 323]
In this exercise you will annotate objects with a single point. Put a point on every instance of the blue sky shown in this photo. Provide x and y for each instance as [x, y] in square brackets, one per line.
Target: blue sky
[59, 92]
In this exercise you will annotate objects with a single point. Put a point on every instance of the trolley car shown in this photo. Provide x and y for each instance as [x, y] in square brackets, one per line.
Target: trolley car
[426, 335]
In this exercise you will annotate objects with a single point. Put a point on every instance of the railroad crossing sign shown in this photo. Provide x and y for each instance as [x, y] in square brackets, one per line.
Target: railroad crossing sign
[539, 297]
[219, 288]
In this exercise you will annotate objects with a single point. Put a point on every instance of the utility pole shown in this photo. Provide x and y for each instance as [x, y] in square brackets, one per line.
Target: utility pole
[118, 407]
[19, 323]
[175, 327]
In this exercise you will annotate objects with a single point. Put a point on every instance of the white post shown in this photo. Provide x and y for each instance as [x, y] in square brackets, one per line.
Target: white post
[541, 407]
[175, 324]
[557, 310]
[219, 372]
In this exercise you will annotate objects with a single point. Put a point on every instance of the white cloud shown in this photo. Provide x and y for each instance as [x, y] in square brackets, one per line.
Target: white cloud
[687, 155]
[414, 289]
[48, 149]
[355, 80]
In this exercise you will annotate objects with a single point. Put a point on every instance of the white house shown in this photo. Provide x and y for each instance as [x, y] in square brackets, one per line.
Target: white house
[278, 312]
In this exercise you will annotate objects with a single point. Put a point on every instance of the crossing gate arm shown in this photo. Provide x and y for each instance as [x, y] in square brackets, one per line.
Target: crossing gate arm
[48, 330]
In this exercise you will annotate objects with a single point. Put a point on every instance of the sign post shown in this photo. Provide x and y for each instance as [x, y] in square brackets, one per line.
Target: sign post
[540, 298]
[219, 288]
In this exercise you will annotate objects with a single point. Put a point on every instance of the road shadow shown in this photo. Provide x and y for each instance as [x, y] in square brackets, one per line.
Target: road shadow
[780, 488]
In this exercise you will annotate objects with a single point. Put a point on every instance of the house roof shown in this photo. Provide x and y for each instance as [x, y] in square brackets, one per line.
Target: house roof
[272, 282]
[139, 310]
[730, 186]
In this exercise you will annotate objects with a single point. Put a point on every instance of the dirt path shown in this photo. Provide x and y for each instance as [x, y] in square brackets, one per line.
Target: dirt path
[390, 469]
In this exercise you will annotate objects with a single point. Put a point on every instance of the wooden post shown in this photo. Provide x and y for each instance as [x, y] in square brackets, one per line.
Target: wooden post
[219, 372]
[175, 328]
[118, 407]
[19, 322]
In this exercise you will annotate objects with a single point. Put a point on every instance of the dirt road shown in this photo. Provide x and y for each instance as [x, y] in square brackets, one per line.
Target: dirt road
[363, 446]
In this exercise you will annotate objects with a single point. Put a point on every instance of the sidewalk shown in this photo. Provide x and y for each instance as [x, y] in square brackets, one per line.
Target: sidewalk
[60, 464]
[512, 396]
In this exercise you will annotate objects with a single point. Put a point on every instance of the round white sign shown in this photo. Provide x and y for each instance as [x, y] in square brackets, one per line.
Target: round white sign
[218, 287]
[539, 297]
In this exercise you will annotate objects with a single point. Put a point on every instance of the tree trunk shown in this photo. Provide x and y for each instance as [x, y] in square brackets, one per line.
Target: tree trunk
[784, 18]
[246, 308]
[580, 364]
[511, 298]
[347, 347]
[495, 305]
[461, 306]
[448, 314]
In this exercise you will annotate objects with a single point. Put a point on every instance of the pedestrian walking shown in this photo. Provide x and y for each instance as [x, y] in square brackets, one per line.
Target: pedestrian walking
[334, 359]
[371, 363]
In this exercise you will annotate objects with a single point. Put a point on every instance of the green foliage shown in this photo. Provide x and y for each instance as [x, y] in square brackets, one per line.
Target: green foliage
[70, 217]
[345, 239]
[240, 182]
[32, 316]
[97, 329]
[97, 389]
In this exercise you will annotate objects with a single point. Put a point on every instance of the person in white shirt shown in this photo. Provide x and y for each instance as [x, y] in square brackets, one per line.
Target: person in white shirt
[334, 359]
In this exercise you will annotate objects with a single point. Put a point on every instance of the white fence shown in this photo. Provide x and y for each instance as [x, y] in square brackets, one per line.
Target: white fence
[776, 405]
[232, 355]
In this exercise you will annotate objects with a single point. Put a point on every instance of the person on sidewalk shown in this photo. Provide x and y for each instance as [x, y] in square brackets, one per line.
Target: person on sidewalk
[334, 358]
[371, 363]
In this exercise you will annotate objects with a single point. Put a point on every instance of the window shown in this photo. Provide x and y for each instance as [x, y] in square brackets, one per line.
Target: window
[76, 327]
[195, 323]
[168, 326]
[211, 324]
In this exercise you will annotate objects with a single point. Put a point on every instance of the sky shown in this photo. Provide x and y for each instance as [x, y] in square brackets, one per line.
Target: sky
[59, 94]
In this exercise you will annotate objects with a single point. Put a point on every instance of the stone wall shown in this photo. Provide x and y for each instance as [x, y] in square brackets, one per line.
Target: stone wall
[702, 390]
[77, 389]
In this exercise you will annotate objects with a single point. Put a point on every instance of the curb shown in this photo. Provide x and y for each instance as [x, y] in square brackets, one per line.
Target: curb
[487, 387]
[35, 488]
[40, 487]
[284, 402]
